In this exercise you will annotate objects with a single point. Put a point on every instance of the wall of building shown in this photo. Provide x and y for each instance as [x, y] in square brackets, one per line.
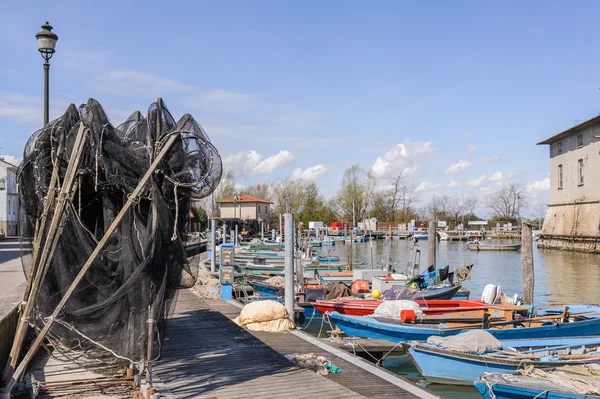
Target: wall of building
[9, 201]
[572, 191]
[250, 210]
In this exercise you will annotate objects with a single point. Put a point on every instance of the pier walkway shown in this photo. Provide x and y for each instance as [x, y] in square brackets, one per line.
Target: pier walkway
[206, 355]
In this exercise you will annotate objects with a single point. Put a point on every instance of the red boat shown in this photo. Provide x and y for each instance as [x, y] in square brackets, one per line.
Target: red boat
[431, 307]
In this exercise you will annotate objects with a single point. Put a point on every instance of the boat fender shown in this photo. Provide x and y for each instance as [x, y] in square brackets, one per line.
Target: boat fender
[408, 316]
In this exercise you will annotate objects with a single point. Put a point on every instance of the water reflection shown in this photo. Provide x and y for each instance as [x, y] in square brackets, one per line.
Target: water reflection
[560, 276]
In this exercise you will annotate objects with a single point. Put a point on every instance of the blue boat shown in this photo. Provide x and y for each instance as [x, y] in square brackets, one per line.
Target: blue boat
[328, 259]
[497, 386]
[446, 366]
[395, 331]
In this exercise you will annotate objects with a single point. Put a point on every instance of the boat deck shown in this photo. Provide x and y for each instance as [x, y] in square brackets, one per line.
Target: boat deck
[206, 355]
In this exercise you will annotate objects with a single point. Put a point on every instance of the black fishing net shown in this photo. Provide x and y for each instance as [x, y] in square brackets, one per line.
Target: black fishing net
[135, 275]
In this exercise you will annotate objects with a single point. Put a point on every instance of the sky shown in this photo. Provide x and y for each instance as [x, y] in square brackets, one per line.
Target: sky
[456, 94]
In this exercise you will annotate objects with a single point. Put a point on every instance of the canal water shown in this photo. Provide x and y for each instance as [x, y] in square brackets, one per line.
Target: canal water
[561, 277]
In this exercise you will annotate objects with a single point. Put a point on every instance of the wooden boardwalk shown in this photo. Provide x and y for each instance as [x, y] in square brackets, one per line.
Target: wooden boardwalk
[205, 355]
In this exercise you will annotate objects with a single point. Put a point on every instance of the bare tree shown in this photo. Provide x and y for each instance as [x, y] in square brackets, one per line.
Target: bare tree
[470, 203]
[438, 206]
[456, 208]
[540, 211]
[508, 202]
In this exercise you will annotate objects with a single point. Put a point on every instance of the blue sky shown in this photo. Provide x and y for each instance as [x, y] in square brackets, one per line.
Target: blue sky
[456, 93]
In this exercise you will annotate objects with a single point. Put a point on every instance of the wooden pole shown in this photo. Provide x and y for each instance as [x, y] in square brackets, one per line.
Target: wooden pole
[39, 268]
[527, 262]
[432, 241]
[132, 199]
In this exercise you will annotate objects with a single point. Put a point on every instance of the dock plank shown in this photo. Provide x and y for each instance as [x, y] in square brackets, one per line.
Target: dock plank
[206, 355]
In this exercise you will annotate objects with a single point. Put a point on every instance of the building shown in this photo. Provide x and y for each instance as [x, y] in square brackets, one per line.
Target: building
[245, 206]
[573, 217]
[9, 199]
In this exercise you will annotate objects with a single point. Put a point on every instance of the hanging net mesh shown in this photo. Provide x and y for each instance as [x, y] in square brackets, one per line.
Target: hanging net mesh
[135, 275]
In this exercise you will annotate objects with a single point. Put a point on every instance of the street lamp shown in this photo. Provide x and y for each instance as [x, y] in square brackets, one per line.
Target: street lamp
[46, 45]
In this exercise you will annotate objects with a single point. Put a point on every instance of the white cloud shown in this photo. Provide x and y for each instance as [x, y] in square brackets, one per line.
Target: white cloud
[274, 162]
[471, 148]
[454, 184]
[458, 167]
[406, 156]
[426, 185]
[309, 174]
[498, 176]
[246, 163]
[478, 182]
[131, 83]
[222, 100]
[12, 159]
[493, 158]
[537, 186]
[28, 109]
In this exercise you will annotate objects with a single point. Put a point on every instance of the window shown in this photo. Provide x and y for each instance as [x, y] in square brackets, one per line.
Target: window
[9, 201]
[580, 170]
[559, 149]
[560, 177]
[579, 140]
[266, 209]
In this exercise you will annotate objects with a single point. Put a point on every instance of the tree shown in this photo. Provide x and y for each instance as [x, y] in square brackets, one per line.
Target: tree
[401, 195]
[470, 205]
[355, 194]
[508, 202]
[540, 211]
[438, 207]
[261, 190]
[226, 188]
[456, 208]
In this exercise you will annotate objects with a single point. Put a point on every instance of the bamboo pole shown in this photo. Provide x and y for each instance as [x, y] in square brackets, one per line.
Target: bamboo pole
[131, 201]
[38, 271]
[527, 262]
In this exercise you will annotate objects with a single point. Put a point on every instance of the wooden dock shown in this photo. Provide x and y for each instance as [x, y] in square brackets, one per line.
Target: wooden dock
[206, 355]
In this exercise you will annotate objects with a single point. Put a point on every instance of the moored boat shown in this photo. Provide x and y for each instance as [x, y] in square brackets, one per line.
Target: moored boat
[477, 246]
[447, 366]
[429, 307]
[396, 331]
[558, 383]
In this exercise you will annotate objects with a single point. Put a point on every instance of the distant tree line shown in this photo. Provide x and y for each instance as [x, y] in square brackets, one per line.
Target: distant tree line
[361, 196]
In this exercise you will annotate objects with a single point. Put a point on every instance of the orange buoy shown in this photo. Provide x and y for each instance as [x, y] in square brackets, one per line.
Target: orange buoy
[408, 316]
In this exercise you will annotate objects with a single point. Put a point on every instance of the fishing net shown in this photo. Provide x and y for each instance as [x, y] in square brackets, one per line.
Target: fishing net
[135, 275]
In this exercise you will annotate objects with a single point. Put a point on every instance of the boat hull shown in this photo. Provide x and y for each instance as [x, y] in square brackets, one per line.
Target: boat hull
[369, 327]
[450, 367]
[511, 391]
[367, 307]
[484, 247]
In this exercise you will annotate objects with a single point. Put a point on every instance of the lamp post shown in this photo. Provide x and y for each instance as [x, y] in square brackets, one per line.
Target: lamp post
[46, 45]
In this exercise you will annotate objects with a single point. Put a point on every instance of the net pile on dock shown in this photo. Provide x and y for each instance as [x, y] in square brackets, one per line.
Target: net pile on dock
[135, 275]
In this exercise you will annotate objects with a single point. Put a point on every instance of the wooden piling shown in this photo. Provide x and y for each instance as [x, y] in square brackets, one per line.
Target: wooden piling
[431, 244]
[527, 262]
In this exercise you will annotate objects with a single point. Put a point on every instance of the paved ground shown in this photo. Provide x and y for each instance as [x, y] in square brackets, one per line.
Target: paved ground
[11, 272]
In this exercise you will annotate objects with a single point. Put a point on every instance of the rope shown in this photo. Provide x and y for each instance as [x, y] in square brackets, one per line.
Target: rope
[97, 155]
[174, 237]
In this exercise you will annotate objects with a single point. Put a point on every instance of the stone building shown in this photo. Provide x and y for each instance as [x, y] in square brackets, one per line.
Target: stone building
[245, 206]
[573, 217]
[9, 199]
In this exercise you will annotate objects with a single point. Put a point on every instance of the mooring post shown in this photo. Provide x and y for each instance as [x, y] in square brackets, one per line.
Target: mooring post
[213, 245]
[235, 240]
[527, 262]
[280, 230]
[289, 263]
[431, 244]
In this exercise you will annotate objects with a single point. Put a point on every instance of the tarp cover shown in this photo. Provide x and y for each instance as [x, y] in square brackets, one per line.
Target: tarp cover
[392, 309]
[474, 341]
[269, 316]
